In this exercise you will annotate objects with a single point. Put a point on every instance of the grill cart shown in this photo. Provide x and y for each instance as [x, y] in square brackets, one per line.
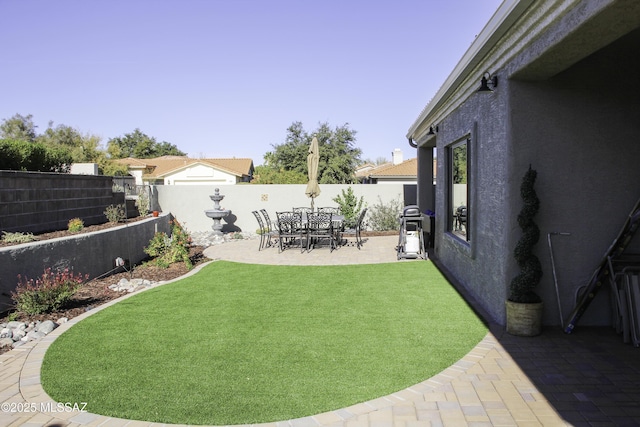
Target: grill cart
[411, 238]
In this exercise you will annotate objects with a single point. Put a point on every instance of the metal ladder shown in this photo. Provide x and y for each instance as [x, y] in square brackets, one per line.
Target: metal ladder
[602, 272]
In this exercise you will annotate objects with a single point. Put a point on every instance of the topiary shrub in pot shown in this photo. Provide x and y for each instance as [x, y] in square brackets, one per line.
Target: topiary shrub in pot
[524, 306]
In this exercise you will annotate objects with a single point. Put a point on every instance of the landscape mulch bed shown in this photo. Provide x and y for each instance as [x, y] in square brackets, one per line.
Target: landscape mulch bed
[86, 229]
[96, 291]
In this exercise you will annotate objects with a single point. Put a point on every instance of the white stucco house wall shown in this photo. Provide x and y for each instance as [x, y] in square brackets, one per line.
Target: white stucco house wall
[562, 95]
[84, 169]
[179, 170]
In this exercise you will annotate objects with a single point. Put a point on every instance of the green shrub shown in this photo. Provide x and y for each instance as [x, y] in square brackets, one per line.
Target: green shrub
[115, 213]
[522, 287]
[48, 293]
[158, 245]
[17, 237]
[33, 156]
[166, 250]
[350, 206]
[385, 217]
[143, 203]
[75, 225]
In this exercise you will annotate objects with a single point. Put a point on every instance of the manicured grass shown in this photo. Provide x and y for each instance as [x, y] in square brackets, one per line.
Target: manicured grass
[240, 343]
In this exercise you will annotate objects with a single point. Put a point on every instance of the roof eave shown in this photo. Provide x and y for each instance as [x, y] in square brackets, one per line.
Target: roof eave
[504, 17]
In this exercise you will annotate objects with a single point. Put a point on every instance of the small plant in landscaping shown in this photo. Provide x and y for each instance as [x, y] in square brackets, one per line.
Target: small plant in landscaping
[75, 225]
[47, 293]
[17, 237]
[167, 250]
[385, 217]
[350, 206]
[238, 236]
[158, 244]
[143, 203]
[115, 213]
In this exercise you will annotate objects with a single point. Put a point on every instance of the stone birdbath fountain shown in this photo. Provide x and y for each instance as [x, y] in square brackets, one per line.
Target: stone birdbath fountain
[217, 213]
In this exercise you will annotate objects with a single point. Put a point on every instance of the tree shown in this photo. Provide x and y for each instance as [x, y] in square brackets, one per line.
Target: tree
[83, 148]
[33, 156]
[18, 128]
[140, 146]
[21, 148]
[338, 155]
[460, 165]
[267, 175]
[166, 149]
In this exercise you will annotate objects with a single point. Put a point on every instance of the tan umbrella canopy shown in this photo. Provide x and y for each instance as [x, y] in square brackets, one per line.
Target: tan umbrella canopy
[313, 189]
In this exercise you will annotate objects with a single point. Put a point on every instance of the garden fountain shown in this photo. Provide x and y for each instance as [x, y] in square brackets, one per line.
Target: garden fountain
[217, 213]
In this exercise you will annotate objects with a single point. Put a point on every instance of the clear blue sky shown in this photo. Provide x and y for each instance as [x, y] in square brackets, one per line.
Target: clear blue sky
[225, 78]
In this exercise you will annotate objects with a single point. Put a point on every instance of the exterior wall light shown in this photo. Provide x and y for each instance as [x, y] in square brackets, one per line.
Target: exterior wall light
[488, 82]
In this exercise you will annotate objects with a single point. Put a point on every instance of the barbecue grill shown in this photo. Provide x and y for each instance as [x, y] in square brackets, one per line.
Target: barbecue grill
[411, 238]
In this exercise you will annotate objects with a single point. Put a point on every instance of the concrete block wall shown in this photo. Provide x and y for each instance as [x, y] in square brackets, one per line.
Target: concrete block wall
[38, 202]
[88, 253]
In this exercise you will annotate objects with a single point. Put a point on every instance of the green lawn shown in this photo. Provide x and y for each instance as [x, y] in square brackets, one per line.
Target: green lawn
[241, 343]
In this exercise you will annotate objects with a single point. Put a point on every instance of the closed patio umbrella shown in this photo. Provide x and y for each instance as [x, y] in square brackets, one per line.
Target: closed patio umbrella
[313, 189]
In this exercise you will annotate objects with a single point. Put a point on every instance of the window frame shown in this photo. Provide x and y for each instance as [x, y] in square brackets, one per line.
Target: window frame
[467, 237]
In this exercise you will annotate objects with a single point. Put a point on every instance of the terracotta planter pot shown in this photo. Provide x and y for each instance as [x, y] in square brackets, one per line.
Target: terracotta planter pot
[156, 213]
[524, 320]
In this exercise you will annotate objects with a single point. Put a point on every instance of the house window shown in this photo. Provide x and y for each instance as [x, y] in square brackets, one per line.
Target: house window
[458, 180]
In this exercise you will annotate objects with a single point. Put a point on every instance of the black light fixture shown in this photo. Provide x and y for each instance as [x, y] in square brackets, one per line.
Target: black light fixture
[432, 130]
[488, 82]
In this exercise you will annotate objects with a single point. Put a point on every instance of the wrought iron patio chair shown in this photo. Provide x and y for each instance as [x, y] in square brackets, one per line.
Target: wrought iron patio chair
[303, 210]
[461, 218]
[355, 228]
[261, 229]
[290, 228]
[272, 233]
[320, 226]
[331, 210]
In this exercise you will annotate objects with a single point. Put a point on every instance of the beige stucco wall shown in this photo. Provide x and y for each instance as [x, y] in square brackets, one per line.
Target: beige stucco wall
[188, 202]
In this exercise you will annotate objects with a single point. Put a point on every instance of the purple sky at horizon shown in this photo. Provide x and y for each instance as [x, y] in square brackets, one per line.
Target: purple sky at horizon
[222, 78]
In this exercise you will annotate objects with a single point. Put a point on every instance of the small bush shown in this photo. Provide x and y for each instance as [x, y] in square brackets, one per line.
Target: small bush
[385, 217]
[143, 203]
[167, 250]
[75, 225]
[48, 293]
[114, 213]
[350, 206]
[17, 237]
[158, 245]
